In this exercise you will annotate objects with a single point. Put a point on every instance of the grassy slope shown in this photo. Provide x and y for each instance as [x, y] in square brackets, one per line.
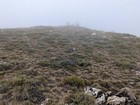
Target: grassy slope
[54, 62]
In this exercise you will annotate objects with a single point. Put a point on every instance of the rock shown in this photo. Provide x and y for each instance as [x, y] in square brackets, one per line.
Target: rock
[100, 100]
[108, 93]
[97, 93]
[115, 100]
[45, 101]
[123, 97]
[92, 91]
[126, 92]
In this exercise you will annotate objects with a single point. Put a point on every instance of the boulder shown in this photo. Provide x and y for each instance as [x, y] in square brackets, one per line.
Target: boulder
[123, 97]
[126, 92]
[115, 100]
[100, 100]
[92, 91]
[97, 93]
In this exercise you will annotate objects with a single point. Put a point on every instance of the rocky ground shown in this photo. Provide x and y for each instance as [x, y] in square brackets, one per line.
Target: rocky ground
[54, 64]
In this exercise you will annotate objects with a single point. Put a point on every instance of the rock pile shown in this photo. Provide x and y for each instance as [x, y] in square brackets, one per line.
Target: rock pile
[123, 97]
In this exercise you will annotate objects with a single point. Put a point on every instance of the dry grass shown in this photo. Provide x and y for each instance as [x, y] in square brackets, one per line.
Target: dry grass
[43, 58]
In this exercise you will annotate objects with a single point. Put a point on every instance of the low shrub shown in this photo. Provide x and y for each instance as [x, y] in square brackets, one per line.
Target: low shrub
[24, 80]
[80, 99]
[5, 66]
[83, 63]
[24, 87]
[68, 64]
[75, 81]
[43, 63]
[99, 58]
[124, 64]
[19, 65]
[18, 80]
[105, 84]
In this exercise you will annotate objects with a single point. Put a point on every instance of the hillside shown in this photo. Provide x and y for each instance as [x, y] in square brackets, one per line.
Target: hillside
[55, 63]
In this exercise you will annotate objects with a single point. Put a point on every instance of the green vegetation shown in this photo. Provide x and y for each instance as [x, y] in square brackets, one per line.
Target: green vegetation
[25, 88]
[43, 63]
[124, 64]
[80, 99]
[99, 58]
[5, 66]
[83, 63]
[68, 64]
[75, 81]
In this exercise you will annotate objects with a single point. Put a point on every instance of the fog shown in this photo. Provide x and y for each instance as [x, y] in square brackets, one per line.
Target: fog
[107, 15]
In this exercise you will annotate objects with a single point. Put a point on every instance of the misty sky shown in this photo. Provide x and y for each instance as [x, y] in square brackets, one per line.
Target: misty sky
[107, 15]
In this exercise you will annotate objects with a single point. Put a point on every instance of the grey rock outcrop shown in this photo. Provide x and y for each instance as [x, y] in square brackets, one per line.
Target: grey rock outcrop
[123, 97]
